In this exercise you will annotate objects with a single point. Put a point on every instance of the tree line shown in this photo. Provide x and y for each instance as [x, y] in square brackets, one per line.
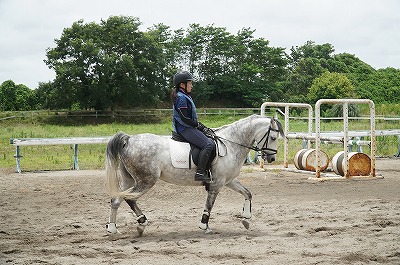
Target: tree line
[115, 65]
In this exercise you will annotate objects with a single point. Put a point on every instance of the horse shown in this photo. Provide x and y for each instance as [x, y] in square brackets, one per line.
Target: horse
[134, 163]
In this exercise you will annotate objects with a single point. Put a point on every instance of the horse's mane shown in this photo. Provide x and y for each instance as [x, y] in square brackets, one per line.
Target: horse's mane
[254, 116]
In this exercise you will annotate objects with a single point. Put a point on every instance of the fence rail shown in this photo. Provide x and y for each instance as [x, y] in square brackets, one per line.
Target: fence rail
[123, 113]
[157, 112]
[55, 141]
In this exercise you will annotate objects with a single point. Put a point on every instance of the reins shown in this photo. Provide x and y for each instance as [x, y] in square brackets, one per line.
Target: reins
[254, 148]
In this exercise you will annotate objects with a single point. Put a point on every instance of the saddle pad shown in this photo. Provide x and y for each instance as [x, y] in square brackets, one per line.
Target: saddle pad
[179, 152]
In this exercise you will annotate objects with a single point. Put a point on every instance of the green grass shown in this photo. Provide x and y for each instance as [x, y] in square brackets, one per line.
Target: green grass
[91, 156]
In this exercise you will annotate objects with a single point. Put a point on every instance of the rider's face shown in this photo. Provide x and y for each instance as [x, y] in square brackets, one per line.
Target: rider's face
[189, 86]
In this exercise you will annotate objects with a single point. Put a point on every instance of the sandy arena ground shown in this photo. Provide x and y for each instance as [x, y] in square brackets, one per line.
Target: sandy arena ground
[59, 217]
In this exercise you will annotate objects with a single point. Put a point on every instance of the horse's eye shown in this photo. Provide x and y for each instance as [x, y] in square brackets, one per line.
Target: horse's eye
[273, 138]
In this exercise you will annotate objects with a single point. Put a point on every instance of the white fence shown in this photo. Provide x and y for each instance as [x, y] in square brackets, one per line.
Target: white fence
[55, 141]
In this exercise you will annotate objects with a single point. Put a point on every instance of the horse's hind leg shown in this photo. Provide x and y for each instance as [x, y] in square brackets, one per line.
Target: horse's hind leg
[111, 226]
[238, 187]
[141, 218]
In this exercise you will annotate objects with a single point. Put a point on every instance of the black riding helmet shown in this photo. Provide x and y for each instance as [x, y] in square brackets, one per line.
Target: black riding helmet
[182, 77]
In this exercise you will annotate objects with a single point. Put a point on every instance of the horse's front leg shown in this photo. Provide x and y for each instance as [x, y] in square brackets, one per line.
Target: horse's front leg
[141, 218]
[238, 187]
[211, 197]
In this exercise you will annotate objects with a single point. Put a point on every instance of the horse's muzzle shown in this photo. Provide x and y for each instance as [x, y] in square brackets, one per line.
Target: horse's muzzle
[268, 158]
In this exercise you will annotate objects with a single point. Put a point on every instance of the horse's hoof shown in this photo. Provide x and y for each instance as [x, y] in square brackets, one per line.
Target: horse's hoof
[246, 223]
[205, 228]
[112, 228]
[208, 231]
[140, 229]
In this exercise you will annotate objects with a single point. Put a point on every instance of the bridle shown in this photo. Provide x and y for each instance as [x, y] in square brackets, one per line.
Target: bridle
[264, 147]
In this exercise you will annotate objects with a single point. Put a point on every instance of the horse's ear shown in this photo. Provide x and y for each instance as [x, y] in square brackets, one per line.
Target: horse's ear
[279, 125]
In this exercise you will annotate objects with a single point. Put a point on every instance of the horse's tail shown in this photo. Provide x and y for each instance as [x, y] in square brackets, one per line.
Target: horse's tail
[115, 148]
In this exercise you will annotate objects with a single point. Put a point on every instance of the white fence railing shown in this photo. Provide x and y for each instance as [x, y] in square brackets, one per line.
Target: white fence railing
[55, 141]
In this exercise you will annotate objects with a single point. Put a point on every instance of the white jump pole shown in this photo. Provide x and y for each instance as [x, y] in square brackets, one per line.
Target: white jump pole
[345, 103]
[286, 129]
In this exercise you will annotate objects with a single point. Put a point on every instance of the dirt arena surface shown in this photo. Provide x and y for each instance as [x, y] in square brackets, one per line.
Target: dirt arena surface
[59, 217]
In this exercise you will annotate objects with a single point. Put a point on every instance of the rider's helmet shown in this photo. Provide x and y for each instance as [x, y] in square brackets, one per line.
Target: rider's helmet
[182, 77]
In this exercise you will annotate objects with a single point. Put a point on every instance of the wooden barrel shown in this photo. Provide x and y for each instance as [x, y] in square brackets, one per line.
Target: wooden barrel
[305, 159]
[298, 159]
[359, 164]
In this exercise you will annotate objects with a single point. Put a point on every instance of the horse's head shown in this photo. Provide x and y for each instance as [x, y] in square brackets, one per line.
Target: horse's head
[268, 144]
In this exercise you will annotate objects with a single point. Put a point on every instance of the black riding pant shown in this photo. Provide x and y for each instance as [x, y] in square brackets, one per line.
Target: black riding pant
[197, 138]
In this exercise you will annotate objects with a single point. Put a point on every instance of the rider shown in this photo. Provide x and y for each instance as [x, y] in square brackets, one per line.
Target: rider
[186, 124]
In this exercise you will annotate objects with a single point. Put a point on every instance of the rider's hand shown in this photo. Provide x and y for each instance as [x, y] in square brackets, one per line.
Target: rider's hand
[209, 132]
[205, 130]
[201, 127]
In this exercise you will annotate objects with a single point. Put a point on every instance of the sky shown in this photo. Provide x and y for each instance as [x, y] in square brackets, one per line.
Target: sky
[369, 29]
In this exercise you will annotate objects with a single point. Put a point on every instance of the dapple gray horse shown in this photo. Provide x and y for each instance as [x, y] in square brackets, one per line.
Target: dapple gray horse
[135, 163]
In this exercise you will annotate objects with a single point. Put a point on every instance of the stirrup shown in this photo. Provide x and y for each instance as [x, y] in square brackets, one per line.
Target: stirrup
[202, 177]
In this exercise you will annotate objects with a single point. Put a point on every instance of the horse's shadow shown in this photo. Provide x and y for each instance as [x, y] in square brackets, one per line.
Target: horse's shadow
[191, 235]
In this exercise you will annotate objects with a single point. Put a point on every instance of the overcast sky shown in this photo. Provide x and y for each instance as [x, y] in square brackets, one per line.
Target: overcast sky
[369, 29]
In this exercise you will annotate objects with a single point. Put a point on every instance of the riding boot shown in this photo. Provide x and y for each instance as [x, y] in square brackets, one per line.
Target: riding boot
[201, 173]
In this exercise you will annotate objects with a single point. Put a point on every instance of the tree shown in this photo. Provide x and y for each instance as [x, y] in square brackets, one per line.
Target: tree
[355, 69]
[306, 63]
[46, 95]
[75, 60]
[330, 85]
[113, 64]
[16, 97]
[108, 65]
[234, 69]
[382, 86]
[260, 69]
[311, 50]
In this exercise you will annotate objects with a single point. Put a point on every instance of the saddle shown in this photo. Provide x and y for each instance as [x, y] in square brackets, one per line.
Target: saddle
[184, 154]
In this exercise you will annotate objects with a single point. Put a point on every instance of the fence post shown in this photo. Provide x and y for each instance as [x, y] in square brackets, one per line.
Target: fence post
[76, 166]
[345, 139]
[18, 158]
